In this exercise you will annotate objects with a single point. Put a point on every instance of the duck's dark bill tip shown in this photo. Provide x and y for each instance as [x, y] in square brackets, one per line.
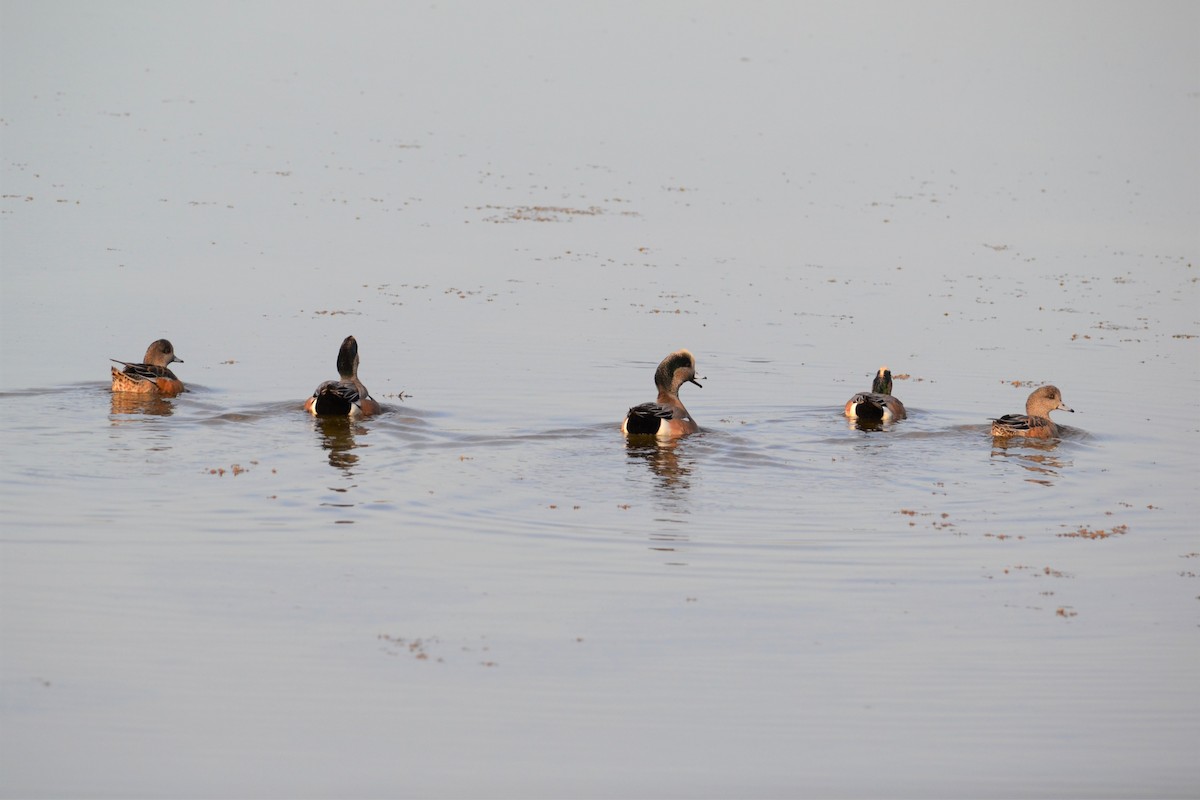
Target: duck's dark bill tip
[693, 380]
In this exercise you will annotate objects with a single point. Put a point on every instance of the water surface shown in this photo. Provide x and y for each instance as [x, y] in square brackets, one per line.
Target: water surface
[518, 210]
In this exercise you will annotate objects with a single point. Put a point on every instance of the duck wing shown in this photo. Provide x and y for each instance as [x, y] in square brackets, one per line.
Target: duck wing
[335, 398]
[145, 372]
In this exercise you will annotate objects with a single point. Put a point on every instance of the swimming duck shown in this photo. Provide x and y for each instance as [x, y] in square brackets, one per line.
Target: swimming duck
[665, 418]
[346, 396]
[877, 404]
[1035, 422]
[152, 375]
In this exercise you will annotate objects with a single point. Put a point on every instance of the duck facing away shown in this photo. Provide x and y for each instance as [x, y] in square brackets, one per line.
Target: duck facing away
[345, 397]
[1035, 422]
[666, 417]
[877, 404]
[152, 375]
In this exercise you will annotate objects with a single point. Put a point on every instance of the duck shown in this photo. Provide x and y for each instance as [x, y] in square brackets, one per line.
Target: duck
[1035, 423]
[666, 417]
[152, 375]
[877, 404]
[345, 397]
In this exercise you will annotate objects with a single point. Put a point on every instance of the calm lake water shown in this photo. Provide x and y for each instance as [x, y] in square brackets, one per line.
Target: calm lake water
[518, 209]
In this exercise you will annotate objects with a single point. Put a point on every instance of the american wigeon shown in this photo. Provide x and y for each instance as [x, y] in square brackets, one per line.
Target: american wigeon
[1035, 422]
[877, 404]
[152, 375]
[666, 417]
[346, 396]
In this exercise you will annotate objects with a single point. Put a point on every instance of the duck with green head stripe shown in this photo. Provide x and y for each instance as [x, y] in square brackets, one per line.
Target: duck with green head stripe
[345, 397]
[877, 404]
[665, 418]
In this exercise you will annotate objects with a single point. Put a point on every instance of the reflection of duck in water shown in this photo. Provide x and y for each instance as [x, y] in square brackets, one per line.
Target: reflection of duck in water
[337, 436]
[151, 404]
[346, 396]
[877, 405]
[152, 375]
[665, 418]
[1035, 422]
[1037, 455]
[663, 460]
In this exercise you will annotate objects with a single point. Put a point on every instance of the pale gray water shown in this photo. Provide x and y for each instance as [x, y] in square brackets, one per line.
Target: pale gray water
[519, 209]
